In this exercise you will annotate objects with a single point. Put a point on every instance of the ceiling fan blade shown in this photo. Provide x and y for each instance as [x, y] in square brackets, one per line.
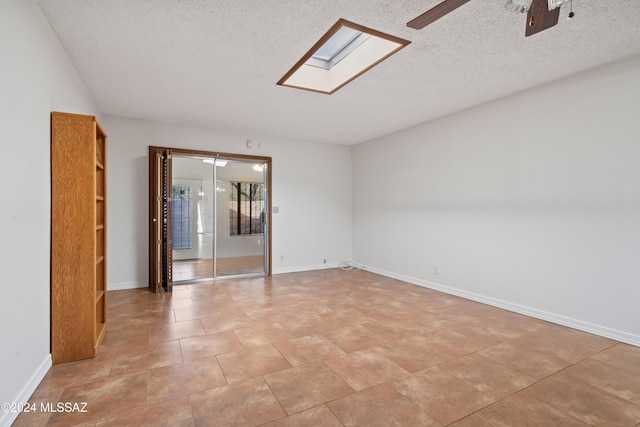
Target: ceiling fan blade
[540, 18]
[436, 13]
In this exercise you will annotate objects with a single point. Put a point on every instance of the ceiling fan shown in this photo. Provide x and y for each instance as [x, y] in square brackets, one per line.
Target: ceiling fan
[541, 14]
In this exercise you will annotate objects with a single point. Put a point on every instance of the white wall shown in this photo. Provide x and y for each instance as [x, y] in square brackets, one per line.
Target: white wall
[531, 202]
[36, 78]
[311, 187]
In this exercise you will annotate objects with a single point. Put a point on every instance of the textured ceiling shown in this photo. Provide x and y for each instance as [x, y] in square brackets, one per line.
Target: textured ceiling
[216, 62]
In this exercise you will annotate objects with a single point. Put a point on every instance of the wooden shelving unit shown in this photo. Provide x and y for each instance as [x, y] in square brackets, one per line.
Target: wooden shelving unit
[78, 236]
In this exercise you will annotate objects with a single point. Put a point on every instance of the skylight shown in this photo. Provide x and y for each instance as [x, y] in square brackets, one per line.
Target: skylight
[345, 52]
[337, 47]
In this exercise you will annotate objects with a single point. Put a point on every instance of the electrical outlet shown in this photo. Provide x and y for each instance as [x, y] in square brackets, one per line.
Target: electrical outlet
[281, 257]
[324, 261]
[435, 269]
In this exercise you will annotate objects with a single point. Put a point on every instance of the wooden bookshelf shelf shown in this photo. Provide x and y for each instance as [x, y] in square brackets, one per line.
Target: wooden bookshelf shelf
[78, 246]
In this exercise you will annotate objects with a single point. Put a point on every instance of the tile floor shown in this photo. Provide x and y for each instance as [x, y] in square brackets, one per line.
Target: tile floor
[202, 268]
[334, 348]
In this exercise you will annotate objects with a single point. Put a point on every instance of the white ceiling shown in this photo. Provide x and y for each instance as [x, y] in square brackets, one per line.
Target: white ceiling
[216, 62]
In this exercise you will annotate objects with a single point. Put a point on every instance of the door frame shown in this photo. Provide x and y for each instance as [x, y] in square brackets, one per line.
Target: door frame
[160, 262]
[160, 275]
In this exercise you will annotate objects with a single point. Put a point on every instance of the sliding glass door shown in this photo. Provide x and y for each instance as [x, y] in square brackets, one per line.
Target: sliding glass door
[192, 221]
[241, 218]
[216, 210]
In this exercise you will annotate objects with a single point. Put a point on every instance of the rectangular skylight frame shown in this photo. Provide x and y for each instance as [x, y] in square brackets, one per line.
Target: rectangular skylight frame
[318, 75]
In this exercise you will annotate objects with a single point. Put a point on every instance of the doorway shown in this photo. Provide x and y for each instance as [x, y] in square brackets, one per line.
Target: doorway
[209, 216]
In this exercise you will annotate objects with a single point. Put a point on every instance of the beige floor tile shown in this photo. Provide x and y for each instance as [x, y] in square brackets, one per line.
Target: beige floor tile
[252, 362]
[176, 331]
[514, 324]
[473, 420]
[490, 329]
[125, 339]
[565, 343]
[219, 300]
[142, 359]
[623, 356]
[174, 413]
[616, 381]
[344, 316]
[308, 349]
[531, 362]
[525, 411]
[318, 416]
[354, 338]
[209, 345]
[303, 387]
[261, 334]
[103, 398]
[247, 403]
[589, 404]
[127, 306]
[391, 330]
[171, 382]
[196, 312]
[173, 302]
[454, 343]
[488, 376]
[148, 318]
[38, 417]
[379, 406]
[74, 373]
[310, 324]
[464, 311]
[444, 397]
[413, 354]
[225, 322]
[364, 369]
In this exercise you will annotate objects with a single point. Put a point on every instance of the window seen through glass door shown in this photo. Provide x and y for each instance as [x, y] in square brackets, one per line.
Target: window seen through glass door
[182, 222]
[246, 211]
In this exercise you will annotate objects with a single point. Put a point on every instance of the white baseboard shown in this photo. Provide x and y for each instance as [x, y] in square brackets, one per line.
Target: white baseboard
[126, 285]
[600, 330]
[7, 418]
